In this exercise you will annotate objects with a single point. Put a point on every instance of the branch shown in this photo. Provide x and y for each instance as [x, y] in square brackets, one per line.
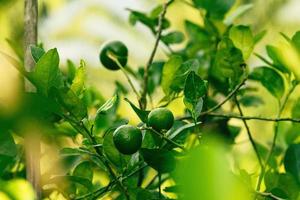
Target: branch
[282, 106]
[226, 98]
[103, 190]
[30, 31]
[80, 127]
[31, 140]
[249, 134]
[250, 117]
[143, 99]
[111, 56]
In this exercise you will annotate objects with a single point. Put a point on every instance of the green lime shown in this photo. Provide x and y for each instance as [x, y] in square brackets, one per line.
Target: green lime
[127, 139]
[161, 119]
[116, 49]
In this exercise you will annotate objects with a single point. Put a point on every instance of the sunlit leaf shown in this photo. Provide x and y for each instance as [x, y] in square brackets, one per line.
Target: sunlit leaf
[169, 71]
[270, 79]
[274, 54]
[79, 78]
[228, 66]
[107, 105]
[142, 114]
[173, 37]
[46, 73]
[242, 39]
[238, 12]
[37, 52]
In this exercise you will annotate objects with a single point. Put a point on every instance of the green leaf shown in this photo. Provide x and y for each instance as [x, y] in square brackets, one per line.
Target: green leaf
[159, 159]
[216, 9]
[173, 134]
[143, 18]
[37, 52]
[270, 79]
[40, 107]
[112, 153]
[173, 37]
[7, 144]
[155, 12]
[228, 65]
[46, 73]
[73, 104]
[78, 81]
[109, 104]
[194, 108]
[17, 189]
[71, 151]
[71, 71]
[285, 182]
[195, 88]
[142, 194]
[178, 82]
[292, 161]
[75, 179]
[84, 170]
[8, 150]
[142, 114]
[296, 41]
[238, 12]
[274, 54]
[242, 39]
[169, 72]
[258, 37]
[65, 128]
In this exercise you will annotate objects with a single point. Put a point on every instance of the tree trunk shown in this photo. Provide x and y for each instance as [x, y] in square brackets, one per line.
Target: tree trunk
[32, 141]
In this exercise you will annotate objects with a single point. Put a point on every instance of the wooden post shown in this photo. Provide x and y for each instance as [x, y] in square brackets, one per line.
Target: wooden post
[32, 140]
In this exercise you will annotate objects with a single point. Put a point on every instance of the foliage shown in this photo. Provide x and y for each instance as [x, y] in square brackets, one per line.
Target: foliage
[212, 62]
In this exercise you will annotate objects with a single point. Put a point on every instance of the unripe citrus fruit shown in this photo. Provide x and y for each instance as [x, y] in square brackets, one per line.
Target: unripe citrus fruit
[116, 49]
[161, 119]
[127, 139]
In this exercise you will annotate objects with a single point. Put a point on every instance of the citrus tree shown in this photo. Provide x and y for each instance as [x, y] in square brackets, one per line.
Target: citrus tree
[164, 156]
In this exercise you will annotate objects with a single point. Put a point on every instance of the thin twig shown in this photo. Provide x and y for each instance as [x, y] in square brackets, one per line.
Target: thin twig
[263, 59]
[249, 133]
[267, 194]
[78, 125]
[111, 56]
[248, 117]
[103, 190]
[282, 106]
[226, 98]
[143, 99]
[164, 137]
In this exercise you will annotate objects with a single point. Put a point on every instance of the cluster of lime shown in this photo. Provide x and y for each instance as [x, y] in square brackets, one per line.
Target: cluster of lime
[128, 138]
